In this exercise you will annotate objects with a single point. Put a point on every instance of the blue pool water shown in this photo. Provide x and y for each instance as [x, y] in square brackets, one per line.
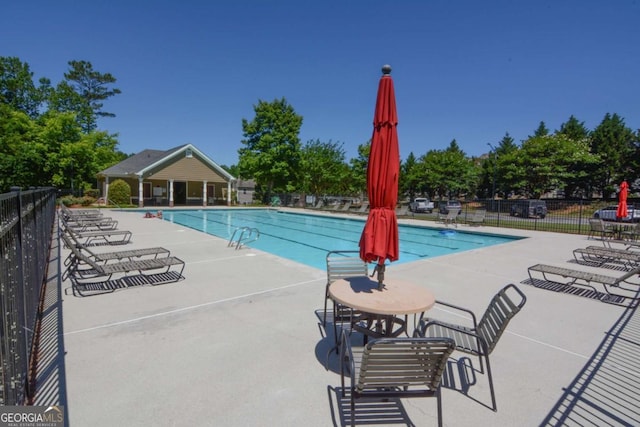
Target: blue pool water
[306, 238]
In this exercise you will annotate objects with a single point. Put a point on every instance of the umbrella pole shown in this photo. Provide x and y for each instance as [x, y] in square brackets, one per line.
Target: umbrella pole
[380, 270]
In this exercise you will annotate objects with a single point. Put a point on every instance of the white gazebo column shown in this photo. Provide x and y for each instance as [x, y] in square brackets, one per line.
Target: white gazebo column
[171, 193]
[140, 193]
[229, 193]
[106, 190]
[204, 193]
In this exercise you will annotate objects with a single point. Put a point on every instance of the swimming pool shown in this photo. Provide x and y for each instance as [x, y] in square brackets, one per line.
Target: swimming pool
[306, 238]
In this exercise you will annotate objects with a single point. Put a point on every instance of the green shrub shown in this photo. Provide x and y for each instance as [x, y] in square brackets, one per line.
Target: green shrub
[87, 200]
[75, 201]
[119, 193]
[66, 200]
[92, 192]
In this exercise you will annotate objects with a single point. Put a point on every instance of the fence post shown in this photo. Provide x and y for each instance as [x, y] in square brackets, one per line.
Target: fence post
[580, 217]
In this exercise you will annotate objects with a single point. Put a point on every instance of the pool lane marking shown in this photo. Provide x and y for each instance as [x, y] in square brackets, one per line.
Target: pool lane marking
[419, 255]
[270, 221]
[189, 308]
[279, 237]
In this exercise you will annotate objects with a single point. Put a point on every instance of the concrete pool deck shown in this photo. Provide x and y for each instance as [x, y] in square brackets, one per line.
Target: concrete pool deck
[237, 343]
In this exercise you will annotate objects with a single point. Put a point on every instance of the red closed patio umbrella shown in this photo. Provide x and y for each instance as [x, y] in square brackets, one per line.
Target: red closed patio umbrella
[379, 240]
[622, 201]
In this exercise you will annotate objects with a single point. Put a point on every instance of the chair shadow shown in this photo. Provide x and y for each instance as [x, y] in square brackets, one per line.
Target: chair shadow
[367, 411]
[49, 378]
[327, 352]
[577, 290]
[461, 376]
[605, 391]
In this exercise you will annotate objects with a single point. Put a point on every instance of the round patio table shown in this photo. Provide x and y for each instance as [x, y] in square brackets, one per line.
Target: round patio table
[383, 308]
[620, 227]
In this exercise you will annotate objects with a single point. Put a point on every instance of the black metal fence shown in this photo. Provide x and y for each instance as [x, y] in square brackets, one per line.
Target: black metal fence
[26, 224]
[558, 215]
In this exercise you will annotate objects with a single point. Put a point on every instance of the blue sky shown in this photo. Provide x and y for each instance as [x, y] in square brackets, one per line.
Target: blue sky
[468, 70]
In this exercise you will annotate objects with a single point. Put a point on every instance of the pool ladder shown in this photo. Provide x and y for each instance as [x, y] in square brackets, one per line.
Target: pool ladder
[247, 235]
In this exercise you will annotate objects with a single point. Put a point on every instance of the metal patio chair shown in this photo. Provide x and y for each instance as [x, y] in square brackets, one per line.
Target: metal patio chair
[597, 227]
[478, 217]
[451, 218]
[395, 368]
[342, 265]
[479, 338]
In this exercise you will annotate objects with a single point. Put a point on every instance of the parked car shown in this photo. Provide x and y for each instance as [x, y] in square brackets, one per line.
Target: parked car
[529, 208]
[421, 204]
[444, 207]
[609, 214]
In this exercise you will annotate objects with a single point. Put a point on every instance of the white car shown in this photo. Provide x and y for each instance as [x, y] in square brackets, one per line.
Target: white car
[421, 204]
[609, 214]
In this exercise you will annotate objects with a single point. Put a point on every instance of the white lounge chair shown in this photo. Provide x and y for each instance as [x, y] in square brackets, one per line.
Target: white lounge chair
[550, 273]
[478, 217]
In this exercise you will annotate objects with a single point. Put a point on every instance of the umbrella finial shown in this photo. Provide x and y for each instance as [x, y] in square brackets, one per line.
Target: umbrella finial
[386, 69]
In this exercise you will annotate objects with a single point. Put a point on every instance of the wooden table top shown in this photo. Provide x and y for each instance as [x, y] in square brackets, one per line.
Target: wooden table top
[398, 296]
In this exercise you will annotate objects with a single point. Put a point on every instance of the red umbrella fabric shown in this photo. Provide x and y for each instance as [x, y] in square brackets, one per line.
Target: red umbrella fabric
[379, 240]
[622, 201]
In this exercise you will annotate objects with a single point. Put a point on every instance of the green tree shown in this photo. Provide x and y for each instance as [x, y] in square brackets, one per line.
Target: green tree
[49, 148]
[56, 131]
[64, 99]
[505, 153]
[634, 174]
[17, 88]
[541, 130]
[574, 129]
[358, 168]
[449, 173]
[410, 182]
[550, 162]
[614, 142]
[17, 134]
[271, 148]
[233, 169]
[94, 88]
[323, 168]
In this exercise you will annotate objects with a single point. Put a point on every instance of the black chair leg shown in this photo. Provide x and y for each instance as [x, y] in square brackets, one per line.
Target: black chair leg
[493, 394]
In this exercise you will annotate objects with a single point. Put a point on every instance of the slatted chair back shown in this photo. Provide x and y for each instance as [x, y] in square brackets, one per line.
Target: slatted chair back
[77, 254]
[451, 217]
[497, 316]
[342, 265]
[396, 363]
[402, 210]
[396, 368]
[345, 264]
[70, 241]
[598, 227]
[478, 217]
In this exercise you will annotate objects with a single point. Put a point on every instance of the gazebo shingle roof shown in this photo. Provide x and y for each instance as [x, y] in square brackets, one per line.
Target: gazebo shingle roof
[138, 162]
